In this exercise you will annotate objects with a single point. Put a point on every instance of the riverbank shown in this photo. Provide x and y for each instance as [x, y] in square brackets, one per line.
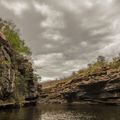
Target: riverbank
[18, 105]
[87, 102]
[105, 92]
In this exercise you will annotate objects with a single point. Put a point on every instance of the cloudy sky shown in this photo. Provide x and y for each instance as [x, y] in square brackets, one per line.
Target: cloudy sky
[65, 35]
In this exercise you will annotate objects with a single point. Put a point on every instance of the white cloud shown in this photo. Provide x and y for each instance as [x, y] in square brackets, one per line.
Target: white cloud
[112, 48]
[88, 4]
[48, 62]
[84, 43]
[47, 59]
[52, 23]
[53, 17]
[75, 6]
[54, 65]
[49, 46]
[100, 31]
[52, 35]
[17, 7]
[104, 3]
[43, 8]
[79, 6]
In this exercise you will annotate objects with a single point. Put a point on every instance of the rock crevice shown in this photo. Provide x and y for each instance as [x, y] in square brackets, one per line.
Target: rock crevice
[16, 76]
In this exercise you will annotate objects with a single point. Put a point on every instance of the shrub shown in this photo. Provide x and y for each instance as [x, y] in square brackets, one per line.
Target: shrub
[15, 41]
[13, 37]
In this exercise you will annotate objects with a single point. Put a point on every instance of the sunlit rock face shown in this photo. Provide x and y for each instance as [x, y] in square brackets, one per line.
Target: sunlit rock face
[16, 75]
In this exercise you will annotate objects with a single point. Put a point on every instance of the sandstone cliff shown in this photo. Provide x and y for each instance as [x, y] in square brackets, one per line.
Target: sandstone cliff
[102, 86]
[16, 76]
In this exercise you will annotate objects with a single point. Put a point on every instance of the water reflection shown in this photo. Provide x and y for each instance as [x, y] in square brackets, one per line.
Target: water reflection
[60, 112]
[31, 113]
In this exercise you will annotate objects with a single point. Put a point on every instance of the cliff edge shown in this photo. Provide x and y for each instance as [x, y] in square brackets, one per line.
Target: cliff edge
[100, 85]
[17, 82]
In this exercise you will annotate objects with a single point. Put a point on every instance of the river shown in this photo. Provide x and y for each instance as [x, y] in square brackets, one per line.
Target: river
[63, 112]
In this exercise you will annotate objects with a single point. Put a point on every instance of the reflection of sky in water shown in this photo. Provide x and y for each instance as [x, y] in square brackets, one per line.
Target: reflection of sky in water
[60, 112]
[68, 115]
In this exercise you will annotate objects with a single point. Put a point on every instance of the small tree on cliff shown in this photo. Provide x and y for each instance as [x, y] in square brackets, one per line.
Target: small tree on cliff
[12, 35]
[101, 59]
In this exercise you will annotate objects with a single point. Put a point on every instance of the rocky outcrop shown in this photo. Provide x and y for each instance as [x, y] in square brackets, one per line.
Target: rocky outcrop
[16, 76]
[105, 90]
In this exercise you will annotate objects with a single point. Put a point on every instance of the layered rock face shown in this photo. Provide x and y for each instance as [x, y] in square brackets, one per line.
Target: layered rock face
[105, 90]
[16, 75]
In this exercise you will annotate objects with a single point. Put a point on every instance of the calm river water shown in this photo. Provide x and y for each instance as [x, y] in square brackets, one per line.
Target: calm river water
[58, 112]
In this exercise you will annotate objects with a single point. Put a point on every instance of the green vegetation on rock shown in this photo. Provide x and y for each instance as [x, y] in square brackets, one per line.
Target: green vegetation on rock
[13, 37]
[15, 41]
[17, 79]
[98, 83]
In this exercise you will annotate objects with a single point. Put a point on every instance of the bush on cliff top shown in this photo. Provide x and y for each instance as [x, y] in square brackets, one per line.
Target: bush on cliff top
[96, 68]
[12, 35]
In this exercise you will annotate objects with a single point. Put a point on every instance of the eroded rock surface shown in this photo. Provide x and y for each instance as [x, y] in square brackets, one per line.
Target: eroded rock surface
[16, 76]
[105, 89]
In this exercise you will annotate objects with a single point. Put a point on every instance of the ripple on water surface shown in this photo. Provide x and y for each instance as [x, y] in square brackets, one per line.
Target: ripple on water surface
[63, 112]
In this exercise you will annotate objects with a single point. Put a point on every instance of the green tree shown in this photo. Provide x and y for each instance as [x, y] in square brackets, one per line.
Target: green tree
[101, 59]
[12, 35]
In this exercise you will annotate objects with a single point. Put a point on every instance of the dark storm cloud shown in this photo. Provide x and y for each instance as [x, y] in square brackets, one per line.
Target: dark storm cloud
[65, 35]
